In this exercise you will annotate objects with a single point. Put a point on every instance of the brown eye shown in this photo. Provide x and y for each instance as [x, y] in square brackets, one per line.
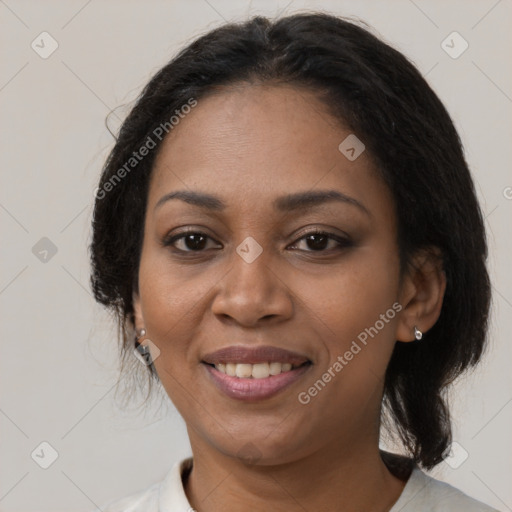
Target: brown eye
[191, 241]
[318, 241]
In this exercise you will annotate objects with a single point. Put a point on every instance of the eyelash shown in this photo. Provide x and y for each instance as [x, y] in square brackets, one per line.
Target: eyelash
[343, 242]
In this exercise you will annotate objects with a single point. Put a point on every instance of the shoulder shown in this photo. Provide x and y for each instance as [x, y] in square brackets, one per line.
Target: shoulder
[168, 493]
[424, 493]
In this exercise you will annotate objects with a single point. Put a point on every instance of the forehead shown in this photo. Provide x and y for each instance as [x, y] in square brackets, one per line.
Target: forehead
[248, 143]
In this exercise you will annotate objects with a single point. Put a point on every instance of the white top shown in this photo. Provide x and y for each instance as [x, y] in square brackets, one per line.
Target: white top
[421, 493]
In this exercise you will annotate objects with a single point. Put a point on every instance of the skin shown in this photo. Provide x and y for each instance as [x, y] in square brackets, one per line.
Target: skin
[247, 145]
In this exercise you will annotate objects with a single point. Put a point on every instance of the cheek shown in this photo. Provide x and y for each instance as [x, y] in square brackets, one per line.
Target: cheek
[170, 301]
[171, 292]
[356, 321]
[353, 296]
[171, 319]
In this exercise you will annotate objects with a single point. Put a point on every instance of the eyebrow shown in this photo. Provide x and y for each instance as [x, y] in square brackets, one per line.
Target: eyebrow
[287, 203]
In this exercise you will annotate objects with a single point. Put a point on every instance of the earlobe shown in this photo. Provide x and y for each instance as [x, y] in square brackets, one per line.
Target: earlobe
[137, 312]
[422, 295]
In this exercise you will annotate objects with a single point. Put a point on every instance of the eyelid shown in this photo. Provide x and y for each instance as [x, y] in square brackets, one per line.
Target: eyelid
[321, 231]
[343, 240]
[170, 238]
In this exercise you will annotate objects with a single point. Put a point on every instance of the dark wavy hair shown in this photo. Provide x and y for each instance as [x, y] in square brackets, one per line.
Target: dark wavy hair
[376, 92]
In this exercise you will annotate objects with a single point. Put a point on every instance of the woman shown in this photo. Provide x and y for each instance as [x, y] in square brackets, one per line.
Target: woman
[277, 232]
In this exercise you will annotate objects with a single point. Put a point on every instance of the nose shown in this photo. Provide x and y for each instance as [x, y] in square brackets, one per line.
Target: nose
[251, 293]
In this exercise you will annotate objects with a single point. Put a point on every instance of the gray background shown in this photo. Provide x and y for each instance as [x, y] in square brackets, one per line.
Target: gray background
[59, 360]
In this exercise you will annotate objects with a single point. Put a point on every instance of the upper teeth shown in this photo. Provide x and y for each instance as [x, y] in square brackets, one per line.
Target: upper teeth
[256, 371]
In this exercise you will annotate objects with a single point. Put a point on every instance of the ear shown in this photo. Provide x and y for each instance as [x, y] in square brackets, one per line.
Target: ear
[137, 312]
[421, 293]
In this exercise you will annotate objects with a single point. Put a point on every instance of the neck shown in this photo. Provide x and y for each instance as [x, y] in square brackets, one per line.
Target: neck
[336, 478]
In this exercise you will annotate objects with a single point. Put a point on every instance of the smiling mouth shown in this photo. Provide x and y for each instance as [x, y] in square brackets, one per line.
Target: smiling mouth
[257, 370]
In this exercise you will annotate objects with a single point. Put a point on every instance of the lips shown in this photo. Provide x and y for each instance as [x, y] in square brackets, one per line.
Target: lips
[253, 355]
[255, 373]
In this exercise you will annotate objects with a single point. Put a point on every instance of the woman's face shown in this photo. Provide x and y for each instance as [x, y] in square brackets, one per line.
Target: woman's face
[251, 276]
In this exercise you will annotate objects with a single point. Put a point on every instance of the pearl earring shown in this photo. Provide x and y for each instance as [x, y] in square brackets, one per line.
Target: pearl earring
[417, 333]
[142, 352]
